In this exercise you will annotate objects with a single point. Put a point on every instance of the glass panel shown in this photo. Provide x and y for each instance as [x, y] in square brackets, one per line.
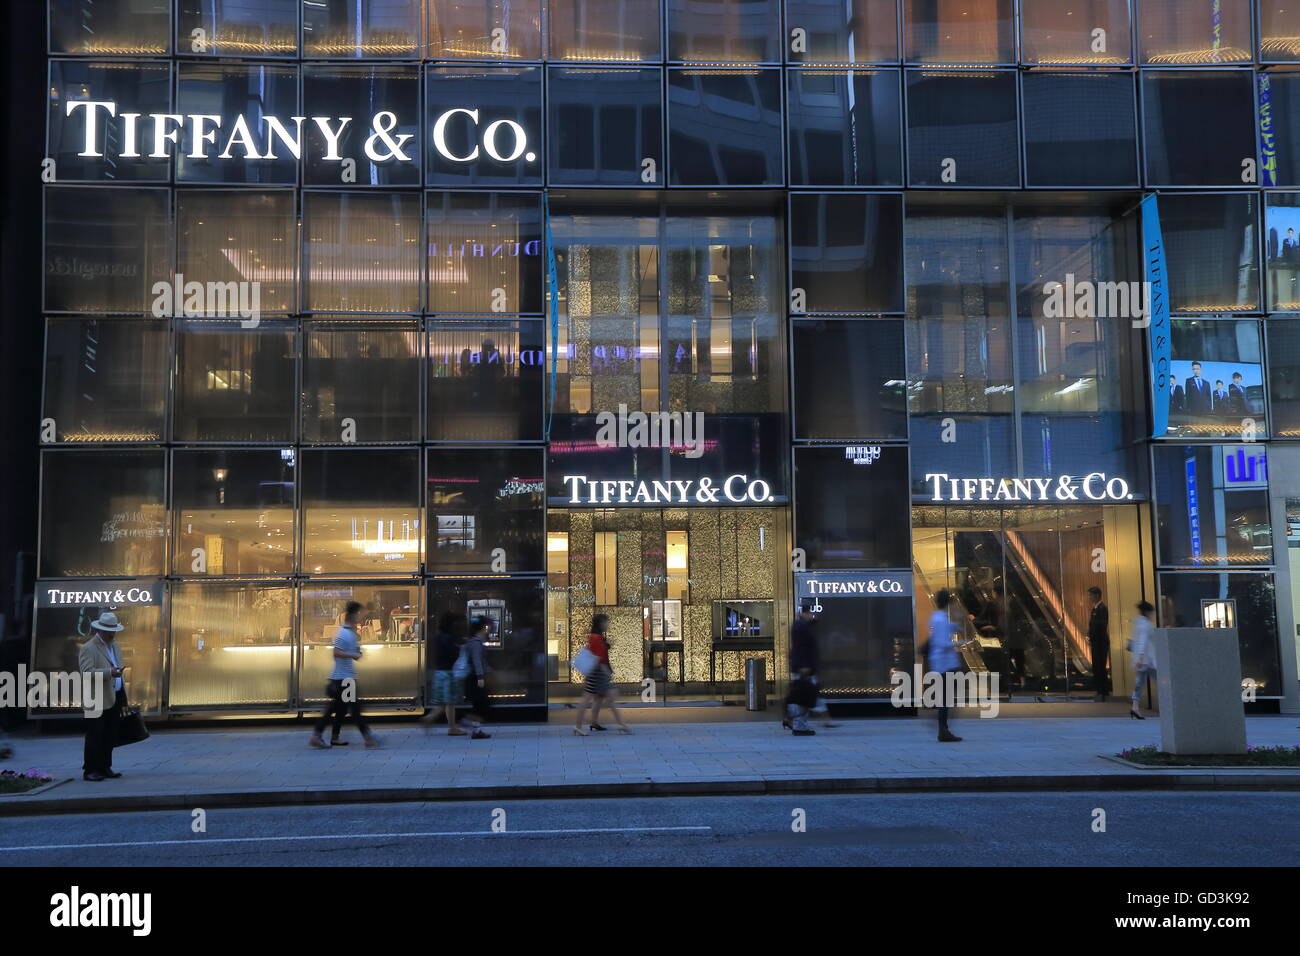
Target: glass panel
[485, 252]
[1174, 31]
[105, 248]
[335, 28]
[338, 404]
[237, 27]
[106, 379]
[1282, 251]
[516, 649]
[60, 632]
[230, 92]
[234, 512]
[361, 252]
[1080, 129]
[361, 511]
[1066, 31]
[1212, 505]
[724, 127]
[844, 31]
[849, 379]
[852, 511]
[611, 30]
[845, 252]
[1284, 377]
[102, 513]
[110, 27]
[391, 630]
[1178, 107]
[485, 509]
[962, 129]
[846, 128]
[244, 244]
[484, 29]
[486, 380]
[1279, 106]
[363, 92]
[724, 31]
[499, 141]
[1216, 379]
[1212, 245]
[1279, 32]
[958, 31]
[140, 87]
[1204, 600]
[232, 645]
[604, 124]
[235, 384]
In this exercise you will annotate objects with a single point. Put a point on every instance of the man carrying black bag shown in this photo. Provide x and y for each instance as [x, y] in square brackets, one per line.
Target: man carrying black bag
[102, 656]
[803, 671]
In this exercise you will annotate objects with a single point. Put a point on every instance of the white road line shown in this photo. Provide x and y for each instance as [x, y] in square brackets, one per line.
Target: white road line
[201, 841]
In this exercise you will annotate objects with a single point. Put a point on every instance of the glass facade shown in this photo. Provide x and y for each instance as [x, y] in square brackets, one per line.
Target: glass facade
[525, 310]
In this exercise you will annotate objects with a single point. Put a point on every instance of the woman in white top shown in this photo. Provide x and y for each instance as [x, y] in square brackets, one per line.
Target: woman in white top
[1144, 652]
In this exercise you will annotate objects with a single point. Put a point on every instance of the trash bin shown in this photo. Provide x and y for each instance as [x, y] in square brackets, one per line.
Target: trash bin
[756, 684]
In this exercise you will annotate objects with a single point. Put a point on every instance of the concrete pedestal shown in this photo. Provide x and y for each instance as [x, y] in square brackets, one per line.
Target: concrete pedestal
[1199, 679]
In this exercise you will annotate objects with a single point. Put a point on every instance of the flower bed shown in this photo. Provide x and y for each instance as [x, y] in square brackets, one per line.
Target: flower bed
[1253, 757]
[20, 781]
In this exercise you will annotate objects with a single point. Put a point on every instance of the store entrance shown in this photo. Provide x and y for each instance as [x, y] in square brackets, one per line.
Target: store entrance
[691, 594]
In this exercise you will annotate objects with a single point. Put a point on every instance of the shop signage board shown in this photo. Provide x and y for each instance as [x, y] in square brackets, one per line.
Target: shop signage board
[853, 584]
[729, 490]
[91, 593]
[1096, 486]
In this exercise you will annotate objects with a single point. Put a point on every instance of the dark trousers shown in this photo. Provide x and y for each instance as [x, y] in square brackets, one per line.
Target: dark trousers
[338, 709]
[1100, 660]
[101, 737]
[479, 704]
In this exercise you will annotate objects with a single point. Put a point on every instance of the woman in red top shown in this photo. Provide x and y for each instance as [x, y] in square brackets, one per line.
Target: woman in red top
[598, 688]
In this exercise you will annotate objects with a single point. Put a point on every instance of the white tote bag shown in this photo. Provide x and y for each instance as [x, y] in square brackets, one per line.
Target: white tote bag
[585, 662]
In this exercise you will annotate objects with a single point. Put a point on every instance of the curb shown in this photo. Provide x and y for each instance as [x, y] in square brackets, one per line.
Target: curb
[1144, 780]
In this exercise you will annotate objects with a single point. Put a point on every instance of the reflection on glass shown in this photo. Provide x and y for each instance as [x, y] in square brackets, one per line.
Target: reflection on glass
[485, 509]
[480, 243]
[483, 29]
[232, 645]
[392, 633]
[360, 511]
[1212, 505]
[1178, 107]
[844, 31]
[845, 127]
[361, 252]
[516, 646]
[362, 92]
[1212, 245]
[845, 252]
[1177, 32]
[105, 379]
[336, 28]
[60, 632]
[724, 127]
[1195, 600]
[485, 380]
[604, 124]
[110, 27]
[958, 31]
[852, 512]
[102, 513]
[1080, 129]
[145, 86]
[233, 511]
[1091, 32]
[849, 379]
[1284, 376]
[724, 31]
[234, 384]
[962, 128]
[245, 243]
[621, 31]
[237, 27]
[380, 405]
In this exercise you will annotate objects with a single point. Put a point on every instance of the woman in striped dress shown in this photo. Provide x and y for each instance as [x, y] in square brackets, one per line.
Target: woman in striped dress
[598, 688]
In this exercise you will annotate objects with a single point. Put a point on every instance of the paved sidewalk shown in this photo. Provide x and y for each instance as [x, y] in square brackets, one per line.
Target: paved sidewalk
[260, 766]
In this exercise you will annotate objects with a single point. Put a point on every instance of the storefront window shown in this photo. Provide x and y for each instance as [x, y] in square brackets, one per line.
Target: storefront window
[242, 244]
[1212, 248]
[845, 253]
[483, 29]
[516, 646]
[486, 380]
[485, 253]
[60, 632]
[246, 28]
[604, 125]
[235, 384]
[335, 28]
[485, 509]
[724, 127]
[110, 27]
[338, 405]
[361, 252]
[849, 379]
[391, 631]
[1177, 32]
[1284, 376]
[255, 92]
[105, 247]
[145, 86]
[1216, 387]
[362, 92]
[1212, 505]
[360, 511]
[1085, 32]
[105, 379]
[844, 31]
[1080, 129]
[962, 128]
[852, 506]
[1243, 601]
[726, 31]
[102, 513]
[232, 646]
[958, 31]
[1178, 107]
[845, 128]
[233, 512]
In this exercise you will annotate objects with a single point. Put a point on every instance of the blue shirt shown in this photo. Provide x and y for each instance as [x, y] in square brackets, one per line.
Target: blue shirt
[345, 640]
[942, 652]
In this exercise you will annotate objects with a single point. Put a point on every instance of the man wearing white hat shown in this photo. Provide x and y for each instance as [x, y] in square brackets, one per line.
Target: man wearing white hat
[102, 655]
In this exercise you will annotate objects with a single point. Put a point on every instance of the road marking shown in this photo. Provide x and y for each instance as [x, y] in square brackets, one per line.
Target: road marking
[353, 836]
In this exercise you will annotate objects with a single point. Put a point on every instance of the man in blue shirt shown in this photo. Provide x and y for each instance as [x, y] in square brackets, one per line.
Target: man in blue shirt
[941, 657]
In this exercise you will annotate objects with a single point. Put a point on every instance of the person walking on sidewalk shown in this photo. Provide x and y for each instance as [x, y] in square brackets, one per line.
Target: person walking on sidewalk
[802, 698]
[101, 655]
[1144, 654]
[342, 687]
[446, 689]
[476, 680]
[598, 688]
[941, 657]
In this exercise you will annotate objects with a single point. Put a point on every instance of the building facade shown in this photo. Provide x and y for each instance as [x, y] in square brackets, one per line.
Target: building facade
[677, 311]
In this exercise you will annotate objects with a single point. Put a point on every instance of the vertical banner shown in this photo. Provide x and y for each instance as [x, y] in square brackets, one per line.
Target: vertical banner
[1267, 138]
[552, 293]
[1157, 317]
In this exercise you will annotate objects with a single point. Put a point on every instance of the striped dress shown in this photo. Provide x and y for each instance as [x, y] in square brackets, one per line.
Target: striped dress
[597, 682]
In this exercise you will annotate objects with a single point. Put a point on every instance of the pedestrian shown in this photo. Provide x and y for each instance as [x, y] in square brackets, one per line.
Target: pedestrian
[941, 658]
[1144, 654]
[102, 656]
[802, 697]
[598, 687]
[1099, 642]
[476, 679]
[446, 688]
[341, 690]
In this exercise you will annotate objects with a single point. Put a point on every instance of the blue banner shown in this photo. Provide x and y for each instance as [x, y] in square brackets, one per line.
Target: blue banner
[1157, 317]
[552, 293]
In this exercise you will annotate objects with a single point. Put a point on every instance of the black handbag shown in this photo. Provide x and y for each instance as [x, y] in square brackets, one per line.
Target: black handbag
[130, 727]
